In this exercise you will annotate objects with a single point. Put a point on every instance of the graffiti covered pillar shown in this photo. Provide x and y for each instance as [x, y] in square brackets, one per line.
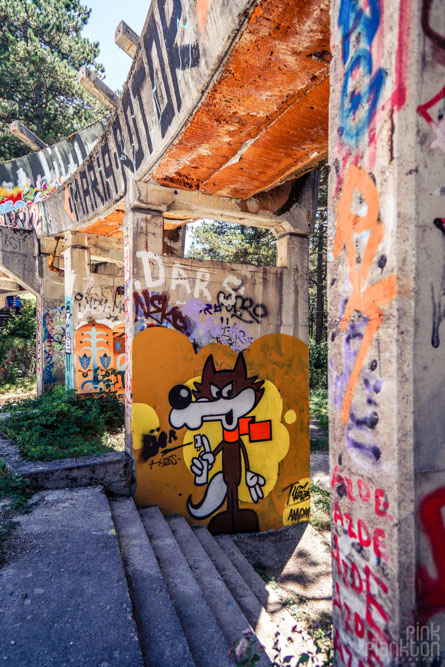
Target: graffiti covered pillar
[94, 312]
[143, 237]
[51, 321]
[219, 403]
[386, 268]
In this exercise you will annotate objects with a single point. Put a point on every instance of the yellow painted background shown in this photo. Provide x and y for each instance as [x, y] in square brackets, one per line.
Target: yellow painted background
[163, 358]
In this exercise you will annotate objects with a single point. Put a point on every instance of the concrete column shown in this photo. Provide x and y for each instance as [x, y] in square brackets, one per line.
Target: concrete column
[95, 310]
[385, 282]
[143, 233]
[298, 215]
[77, 267]
[293, 253]
[51, 327]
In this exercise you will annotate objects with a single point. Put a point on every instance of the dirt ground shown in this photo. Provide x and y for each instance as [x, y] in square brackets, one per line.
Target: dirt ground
[297, 560]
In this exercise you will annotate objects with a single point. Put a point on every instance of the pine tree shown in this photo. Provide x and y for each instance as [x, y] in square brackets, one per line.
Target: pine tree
[227, 242]
[41, 51]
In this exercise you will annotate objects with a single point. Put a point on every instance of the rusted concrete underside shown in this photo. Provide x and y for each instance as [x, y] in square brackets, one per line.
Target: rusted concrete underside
[266, 117]
[264, 120]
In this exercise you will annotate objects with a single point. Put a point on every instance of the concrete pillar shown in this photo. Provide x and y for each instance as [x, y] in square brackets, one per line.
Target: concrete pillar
[385, 282]
[95, 311]
[143, 233]
[293, 253]
[51, 326]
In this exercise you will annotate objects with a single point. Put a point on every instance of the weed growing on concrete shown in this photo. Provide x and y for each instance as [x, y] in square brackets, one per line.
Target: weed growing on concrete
[320, 507]
[62, 424]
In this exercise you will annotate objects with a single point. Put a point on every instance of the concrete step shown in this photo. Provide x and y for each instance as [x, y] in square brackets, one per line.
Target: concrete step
[203, 633]
[161, 636]
[265, 593]
[63, 593]
[290, 638]
[254, 611]
[231, 619]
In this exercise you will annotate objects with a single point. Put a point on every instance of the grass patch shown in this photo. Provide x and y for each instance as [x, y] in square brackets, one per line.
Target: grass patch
[320, 508]
[61, 424]
[19, 387]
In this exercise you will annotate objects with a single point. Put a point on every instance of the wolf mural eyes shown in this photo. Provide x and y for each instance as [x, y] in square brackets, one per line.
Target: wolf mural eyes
[226, 396]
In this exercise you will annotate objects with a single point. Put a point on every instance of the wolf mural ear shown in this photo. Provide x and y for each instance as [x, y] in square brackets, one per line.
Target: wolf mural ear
[240, 369]
[209, 369]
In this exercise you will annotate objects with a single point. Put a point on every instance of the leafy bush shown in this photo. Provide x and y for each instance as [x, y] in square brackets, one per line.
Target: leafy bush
[318, 365]
[319, 407]
[61, 424]
[23, 325]
[17, 360]
[18, 347]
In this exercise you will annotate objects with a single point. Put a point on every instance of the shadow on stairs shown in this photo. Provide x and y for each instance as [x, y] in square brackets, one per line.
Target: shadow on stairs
[89, 580]
[196, 597]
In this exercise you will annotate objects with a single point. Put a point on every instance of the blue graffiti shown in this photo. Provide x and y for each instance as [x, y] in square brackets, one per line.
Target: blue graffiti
[105, 360]
[362, 86]
[358, 106]
[352, 18]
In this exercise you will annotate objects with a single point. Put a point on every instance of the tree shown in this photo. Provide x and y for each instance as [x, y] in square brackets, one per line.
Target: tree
[318, 265]
[41, 51]
[227, 242]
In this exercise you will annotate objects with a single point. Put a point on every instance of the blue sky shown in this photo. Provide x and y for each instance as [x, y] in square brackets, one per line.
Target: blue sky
[104, 18]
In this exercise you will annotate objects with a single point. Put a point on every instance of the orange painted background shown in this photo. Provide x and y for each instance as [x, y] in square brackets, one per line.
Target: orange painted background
[162, 359]
[99, 350]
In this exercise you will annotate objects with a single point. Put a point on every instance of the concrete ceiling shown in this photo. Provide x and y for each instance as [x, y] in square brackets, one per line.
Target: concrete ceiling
[265, 119]
[224, 101]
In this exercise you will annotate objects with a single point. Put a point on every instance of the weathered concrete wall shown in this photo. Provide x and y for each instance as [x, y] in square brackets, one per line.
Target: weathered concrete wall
[429, 347]
[94, 311]
[19, 257]
[231, 329]
[28, 180]
[385, 272]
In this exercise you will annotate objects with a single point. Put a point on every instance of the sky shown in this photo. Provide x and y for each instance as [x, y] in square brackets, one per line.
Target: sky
[104, 19]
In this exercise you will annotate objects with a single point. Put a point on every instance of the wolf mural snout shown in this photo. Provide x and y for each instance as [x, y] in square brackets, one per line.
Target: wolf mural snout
[180, 397]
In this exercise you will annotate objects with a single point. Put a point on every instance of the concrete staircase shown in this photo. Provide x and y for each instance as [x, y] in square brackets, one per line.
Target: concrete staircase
[202, 588]
[183, 595]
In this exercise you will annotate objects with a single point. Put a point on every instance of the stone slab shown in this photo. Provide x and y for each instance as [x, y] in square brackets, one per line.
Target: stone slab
[161, 635]
[203, 633]
[113, 471]
[63, 594]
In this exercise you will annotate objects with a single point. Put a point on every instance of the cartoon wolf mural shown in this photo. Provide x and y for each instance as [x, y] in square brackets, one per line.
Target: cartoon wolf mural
[226, 396]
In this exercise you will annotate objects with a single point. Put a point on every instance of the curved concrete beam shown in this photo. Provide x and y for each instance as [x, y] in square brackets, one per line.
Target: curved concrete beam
[28, 180]
[181, 49]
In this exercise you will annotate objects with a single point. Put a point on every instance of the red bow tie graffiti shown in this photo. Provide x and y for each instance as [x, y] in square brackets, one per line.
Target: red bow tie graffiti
[257, 431]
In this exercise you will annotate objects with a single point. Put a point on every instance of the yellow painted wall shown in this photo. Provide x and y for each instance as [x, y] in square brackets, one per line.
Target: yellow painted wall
[163, 358]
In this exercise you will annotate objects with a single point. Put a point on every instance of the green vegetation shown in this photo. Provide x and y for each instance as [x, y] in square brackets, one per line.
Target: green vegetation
[62, 424]
[41, 52]
[318, 365]
[319, 408]
[226, 242]
[18, 350]
[21, 386]
[320, 508]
